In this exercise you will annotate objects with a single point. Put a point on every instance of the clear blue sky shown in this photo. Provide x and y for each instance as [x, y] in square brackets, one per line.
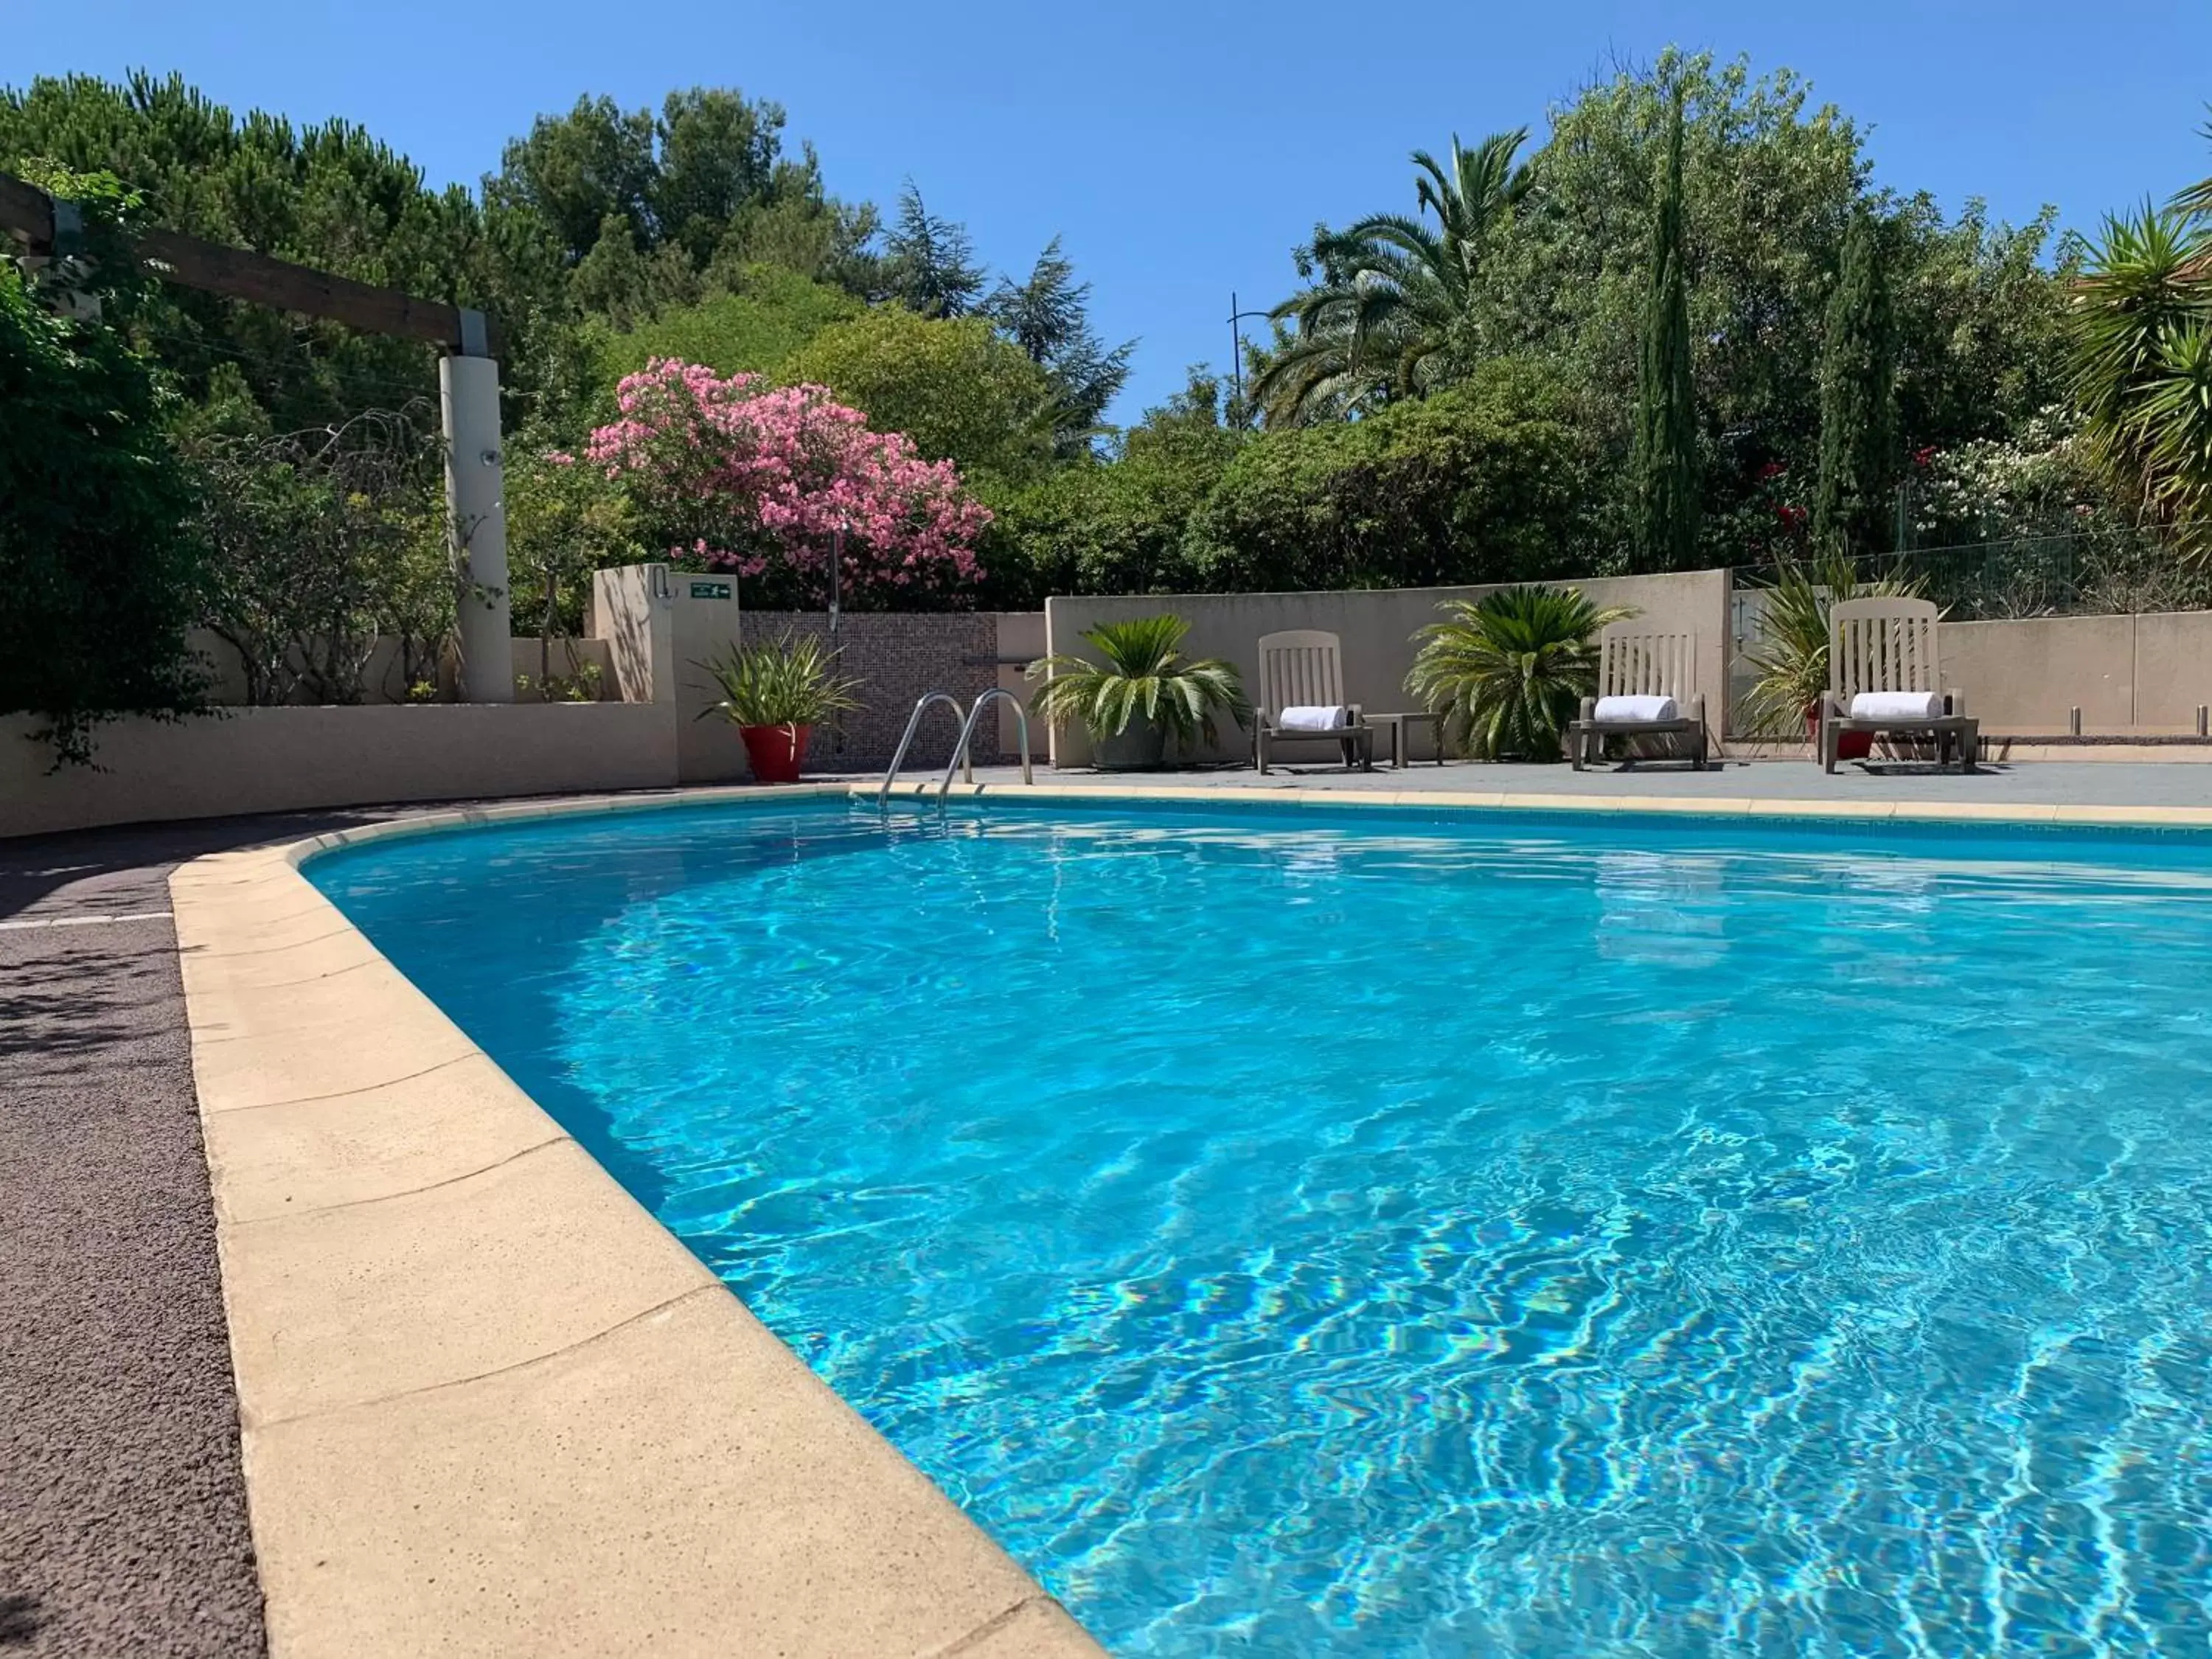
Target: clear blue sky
[1183, 149]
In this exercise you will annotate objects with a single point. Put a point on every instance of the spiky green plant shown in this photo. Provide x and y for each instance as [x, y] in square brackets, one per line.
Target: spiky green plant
[1509, 672]
[2140, 330]
[1791, 655]
[785, 681]
[1145, 673]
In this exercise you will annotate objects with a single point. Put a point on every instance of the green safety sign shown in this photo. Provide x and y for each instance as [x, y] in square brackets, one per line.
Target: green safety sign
[710, 590]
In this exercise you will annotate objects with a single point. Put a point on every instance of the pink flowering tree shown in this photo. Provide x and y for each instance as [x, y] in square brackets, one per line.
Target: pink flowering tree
[767, 482]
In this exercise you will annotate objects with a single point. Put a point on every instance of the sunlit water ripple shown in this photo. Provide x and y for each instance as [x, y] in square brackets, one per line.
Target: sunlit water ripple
[1289, 1236]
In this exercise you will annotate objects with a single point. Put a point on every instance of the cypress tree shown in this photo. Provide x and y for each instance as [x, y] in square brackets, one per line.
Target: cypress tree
[1666, 458]
[1858, 400]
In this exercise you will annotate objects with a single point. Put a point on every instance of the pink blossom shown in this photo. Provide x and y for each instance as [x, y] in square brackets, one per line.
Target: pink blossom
[752, 477]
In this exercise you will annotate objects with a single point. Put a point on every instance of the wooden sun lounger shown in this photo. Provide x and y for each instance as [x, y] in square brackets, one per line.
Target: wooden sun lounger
[1889, 645]
[1637, 662]
[1302, 667]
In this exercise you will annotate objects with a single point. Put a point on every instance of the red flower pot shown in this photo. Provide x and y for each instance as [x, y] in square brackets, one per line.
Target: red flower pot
[776, 751]
[1849, 745]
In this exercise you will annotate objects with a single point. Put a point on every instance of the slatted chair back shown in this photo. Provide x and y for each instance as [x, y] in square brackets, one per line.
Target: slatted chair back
[1637, 661]
[1882, 645]
[1300, 667]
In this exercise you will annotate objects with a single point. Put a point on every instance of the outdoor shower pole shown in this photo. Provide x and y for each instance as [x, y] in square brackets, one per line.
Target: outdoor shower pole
[468, 399]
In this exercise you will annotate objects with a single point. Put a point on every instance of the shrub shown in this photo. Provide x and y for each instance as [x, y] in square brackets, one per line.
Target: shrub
[1119, 526]
[785, 681]
[1475, 485]
[768, 314]
[101, 574]
[1511, 672]
[322, 541]
[954, 387]
[767, 482]
[1146, 674]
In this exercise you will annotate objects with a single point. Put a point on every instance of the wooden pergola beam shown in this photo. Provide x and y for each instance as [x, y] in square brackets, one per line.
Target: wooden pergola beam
[27, 213]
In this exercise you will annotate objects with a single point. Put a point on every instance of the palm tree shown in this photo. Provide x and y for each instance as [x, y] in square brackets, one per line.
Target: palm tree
[1509, 672]
[2140, 322]
[1393, 288]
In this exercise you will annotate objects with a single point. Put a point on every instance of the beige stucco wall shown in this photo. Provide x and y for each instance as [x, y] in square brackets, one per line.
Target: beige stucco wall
[1377, 627]
[2173, 668]
[659, 626]
[266, 760]
[1021, 643]
[703, 628]
[2027, 674]
[2126, 674]
[638, 633]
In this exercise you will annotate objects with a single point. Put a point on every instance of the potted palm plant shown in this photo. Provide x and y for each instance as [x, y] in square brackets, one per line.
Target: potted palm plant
[1508, 673]
[1145, 692]
[1791, 657]
[775, 694]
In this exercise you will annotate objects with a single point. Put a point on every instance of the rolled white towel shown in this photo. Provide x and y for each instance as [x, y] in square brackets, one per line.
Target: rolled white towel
[1616, 711]
[1310, 717]
[1898, 706]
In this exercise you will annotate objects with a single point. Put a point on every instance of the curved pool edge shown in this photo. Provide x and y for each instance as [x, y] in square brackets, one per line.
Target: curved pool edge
[487, 1404]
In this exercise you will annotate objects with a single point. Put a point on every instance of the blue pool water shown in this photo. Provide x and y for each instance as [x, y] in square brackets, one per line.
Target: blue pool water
[1312, 1233]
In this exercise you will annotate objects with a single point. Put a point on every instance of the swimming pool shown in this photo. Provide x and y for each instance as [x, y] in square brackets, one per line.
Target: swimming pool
[1345, 1231]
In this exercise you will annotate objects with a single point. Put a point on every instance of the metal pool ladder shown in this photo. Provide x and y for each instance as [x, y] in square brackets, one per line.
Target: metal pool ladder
[961, 756]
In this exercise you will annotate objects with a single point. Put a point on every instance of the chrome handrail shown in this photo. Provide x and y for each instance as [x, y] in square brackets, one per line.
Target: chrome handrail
[914, 720]
[961, 756]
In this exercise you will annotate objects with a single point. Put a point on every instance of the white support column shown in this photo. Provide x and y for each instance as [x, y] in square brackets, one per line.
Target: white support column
[468, 397]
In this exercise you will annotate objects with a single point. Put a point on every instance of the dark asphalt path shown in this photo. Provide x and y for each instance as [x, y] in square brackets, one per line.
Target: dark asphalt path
[123, 1525]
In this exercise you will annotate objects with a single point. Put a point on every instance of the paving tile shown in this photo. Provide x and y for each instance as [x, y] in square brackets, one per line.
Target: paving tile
[341, 951]
[300, 1156]
[387, 1032]
[340, 1306]
[681, 1485]
[235, 999]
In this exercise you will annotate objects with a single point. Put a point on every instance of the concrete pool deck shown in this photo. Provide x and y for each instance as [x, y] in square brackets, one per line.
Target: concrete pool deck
[469, 1367]
[2024, 787]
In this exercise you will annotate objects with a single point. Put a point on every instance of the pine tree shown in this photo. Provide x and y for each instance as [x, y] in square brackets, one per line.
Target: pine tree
[1048, 317]
[1666, 459]
[1858, 400]
[932, 261]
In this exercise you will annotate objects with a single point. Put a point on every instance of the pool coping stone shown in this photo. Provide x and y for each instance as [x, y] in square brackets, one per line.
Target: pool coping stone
[489, 1404]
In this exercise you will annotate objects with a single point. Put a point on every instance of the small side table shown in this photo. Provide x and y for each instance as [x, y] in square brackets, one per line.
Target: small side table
[1398, 723]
